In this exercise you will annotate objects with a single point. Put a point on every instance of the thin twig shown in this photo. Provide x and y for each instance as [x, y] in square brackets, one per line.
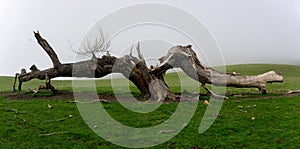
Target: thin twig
[58, 120]
[52, 133]
[14, 110]
[167, 131]
[97, 100]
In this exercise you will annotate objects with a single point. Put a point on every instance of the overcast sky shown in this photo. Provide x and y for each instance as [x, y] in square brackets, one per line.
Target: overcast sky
[247, 31]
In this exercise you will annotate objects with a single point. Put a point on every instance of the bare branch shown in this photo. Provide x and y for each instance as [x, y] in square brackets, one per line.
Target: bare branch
[52, 133]
[46, 46]
[97, 44]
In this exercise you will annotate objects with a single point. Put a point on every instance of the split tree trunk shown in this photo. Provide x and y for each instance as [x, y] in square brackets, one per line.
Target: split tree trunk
[150, 82]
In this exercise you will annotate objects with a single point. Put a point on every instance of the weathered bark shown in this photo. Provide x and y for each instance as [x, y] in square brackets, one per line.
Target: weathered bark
[133, 68]
[191, 65]
[46, 46]
[149, 81]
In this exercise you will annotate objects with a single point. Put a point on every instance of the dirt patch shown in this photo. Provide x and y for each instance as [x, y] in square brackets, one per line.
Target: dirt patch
[60, 95]
[39, 96]
[67, 95]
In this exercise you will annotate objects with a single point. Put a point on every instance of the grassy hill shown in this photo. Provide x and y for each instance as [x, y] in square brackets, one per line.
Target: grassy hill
[24, 123]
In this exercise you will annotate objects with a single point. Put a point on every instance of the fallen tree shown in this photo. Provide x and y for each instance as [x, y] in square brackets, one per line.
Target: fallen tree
[150, 82]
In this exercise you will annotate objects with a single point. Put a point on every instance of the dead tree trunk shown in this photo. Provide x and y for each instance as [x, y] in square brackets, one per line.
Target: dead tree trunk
[133, 68]
[190, 64]
[150, 82]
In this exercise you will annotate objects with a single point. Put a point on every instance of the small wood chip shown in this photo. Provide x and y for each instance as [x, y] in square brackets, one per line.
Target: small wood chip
[49, 106]
[206, 102]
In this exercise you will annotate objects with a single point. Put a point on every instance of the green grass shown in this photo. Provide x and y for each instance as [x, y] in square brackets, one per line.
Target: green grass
[277, 123]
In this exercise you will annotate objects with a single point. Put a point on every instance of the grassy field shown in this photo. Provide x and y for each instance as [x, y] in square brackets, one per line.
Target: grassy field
[32, 124]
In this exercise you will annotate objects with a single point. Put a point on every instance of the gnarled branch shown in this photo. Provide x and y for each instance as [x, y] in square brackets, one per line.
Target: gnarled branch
[185, 58]
[46, 46]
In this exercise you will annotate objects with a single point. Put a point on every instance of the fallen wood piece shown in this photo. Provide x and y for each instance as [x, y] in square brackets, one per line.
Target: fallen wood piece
[58, 120]
[185, 58]
[97, 100]
[216, 115]
[62, 119]
[167, 131]
[293, 92]
[52, 133]
[14, 110]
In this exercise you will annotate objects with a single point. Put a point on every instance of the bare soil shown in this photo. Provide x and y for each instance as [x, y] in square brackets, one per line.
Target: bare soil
[60, 95]
[67, 95]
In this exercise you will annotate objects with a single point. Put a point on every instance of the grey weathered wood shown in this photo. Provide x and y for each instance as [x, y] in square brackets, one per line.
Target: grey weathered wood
[185, 58]
[149, 81]
[131, 67]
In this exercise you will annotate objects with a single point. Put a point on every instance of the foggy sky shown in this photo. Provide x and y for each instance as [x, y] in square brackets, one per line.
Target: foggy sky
[247, 31]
